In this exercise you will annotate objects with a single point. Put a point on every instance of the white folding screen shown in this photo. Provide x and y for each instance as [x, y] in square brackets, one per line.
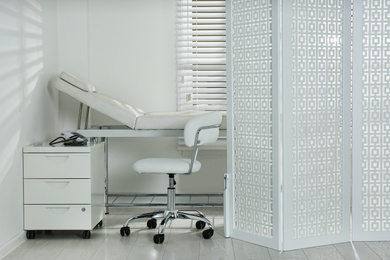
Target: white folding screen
[316, 107]
[291, 126]
[371, 120]
[255, 199]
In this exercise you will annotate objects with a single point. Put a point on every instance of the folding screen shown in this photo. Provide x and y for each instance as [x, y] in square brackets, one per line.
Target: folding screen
[255, 187]
[290, 125]
[316, 108]
[371, 120]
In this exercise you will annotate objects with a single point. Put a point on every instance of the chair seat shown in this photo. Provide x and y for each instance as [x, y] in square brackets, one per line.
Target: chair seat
[165, 165]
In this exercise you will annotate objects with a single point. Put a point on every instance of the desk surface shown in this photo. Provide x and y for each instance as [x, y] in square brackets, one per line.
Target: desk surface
[44, 147]
[122, 131]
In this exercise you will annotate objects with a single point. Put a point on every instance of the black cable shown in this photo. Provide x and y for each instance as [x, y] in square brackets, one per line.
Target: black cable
[57, 142]
[71, 140]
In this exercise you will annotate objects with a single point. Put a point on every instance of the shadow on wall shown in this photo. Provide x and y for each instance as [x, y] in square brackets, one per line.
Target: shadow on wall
[21, 65]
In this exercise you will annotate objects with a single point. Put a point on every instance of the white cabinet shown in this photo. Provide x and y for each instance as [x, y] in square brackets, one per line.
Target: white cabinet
[64, 187]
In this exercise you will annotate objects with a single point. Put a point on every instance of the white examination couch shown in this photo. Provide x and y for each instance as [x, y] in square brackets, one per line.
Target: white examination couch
[136, 123]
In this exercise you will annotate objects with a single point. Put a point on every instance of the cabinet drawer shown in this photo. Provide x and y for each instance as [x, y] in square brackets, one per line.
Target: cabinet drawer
[56, 217]
[57, 191]
[57, 165]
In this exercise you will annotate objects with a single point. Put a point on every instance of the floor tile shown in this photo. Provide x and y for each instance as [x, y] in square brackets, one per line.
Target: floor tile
[244, 250]
[356, 250]
[382, 248]
[182, 244]
[123, 200]
[79, 248]
[142, 200]
[115, 246]
[145, 248]
[182, 241]
[199, 199]
[322, 252]
[218, 247]
[291, 254]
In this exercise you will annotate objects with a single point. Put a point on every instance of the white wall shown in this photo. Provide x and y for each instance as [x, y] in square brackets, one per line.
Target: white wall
[127, 49]
[28, 60]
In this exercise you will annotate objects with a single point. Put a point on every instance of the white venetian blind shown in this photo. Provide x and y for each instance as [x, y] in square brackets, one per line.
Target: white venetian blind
[201, 55]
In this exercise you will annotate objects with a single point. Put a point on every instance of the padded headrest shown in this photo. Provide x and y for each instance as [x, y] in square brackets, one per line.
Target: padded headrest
[78, 82]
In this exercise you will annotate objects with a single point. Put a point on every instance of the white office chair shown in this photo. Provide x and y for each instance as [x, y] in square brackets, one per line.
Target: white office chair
[198, 131]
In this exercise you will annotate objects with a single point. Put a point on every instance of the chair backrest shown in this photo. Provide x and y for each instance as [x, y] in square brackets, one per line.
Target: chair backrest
[207, 124]
[200, 130]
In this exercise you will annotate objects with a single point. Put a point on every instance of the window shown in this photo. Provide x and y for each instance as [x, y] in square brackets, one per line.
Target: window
[201, 55]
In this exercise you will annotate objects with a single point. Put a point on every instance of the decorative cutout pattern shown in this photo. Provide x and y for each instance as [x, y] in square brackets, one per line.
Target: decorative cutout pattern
[317, 96]
[376, 116]
[252, 113]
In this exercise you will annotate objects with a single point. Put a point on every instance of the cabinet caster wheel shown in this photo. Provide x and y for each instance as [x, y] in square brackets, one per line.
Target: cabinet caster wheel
[30, 234]
[158, 239]
[125, 231]
[152, 223]
[200, 224]
[100, 224]
[208, 233]
[86, 234]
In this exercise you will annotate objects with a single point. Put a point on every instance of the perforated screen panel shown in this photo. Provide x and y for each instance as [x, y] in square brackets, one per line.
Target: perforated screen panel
[316, 168]
[373, 136]
[252, 116]
[314, 144]
[317, 118]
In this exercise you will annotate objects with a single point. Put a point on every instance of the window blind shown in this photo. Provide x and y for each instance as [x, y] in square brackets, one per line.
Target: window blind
[201, 55]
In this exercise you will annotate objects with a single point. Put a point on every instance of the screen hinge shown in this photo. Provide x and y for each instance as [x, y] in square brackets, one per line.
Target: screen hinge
[225, 181]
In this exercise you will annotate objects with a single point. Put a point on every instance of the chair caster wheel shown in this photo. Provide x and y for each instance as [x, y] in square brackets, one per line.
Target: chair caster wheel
[208, 233]
[158, 239]
[86, 234]
[30, 234]
[152, 223]
[125, 231]
[200, 224]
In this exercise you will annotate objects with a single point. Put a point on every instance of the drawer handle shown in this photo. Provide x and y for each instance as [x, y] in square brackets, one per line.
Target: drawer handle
[58, 184]
[57, 210]
[57, 158]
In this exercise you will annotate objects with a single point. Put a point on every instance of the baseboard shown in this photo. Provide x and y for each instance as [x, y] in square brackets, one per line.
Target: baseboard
[12, 244]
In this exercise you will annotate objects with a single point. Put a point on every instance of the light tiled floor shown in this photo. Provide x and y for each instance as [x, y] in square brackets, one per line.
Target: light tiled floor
[182, 241]
[184, 199]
